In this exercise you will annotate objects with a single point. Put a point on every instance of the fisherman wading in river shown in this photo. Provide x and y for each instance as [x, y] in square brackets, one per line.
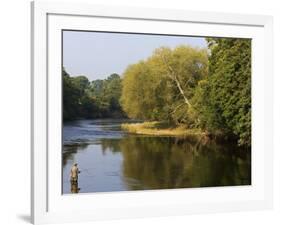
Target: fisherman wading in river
[74, 174]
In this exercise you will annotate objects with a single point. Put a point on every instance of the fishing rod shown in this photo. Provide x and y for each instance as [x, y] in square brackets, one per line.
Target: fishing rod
[87, 171]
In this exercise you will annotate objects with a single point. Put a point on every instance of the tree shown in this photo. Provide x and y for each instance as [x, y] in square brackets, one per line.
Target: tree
[107, 93]
[223, 100]
[160, 88]
[76, 101]
[134, 101]
[112, 92]
[71, 96]
[82, 83]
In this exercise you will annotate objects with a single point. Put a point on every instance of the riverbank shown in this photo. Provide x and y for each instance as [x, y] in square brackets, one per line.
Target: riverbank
[161, 129]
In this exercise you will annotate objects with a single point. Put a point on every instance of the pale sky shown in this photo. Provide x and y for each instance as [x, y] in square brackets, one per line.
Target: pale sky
[99, 54]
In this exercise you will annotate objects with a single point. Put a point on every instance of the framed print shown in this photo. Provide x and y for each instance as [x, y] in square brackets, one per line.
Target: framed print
[146, 112]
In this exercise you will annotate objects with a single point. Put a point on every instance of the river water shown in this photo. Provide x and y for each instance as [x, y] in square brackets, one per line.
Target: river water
[111, 160]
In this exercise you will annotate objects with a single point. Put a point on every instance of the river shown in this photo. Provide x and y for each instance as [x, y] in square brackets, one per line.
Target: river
[112, 160]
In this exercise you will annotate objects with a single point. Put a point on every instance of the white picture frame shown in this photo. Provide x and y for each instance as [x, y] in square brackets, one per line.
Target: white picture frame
[47, 203]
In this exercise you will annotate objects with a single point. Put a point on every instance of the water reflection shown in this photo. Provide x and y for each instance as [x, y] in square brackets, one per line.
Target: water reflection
[168, 163]
[74, 187]
[141, 163]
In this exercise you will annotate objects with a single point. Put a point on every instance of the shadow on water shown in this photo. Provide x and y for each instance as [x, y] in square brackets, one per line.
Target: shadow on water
[111, 160]
[165, 163]
[141, 163]
[69, 151]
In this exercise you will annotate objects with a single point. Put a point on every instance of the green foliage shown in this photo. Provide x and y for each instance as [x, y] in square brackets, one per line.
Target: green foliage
[198, 88]
[96, 99]
[223, 100]
[160, 87]
[107, 94]
[71, 96]
[141, 94]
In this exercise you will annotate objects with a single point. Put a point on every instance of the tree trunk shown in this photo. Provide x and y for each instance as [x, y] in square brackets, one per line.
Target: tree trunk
[182, 93]
[173, 77]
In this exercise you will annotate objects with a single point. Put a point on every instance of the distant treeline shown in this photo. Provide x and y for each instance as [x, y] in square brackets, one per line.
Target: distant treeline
[96, 99]
[208, 89]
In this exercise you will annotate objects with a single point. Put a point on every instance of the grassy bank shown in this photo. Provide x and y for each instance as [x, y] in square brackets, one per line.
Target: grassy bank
[161, 129]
